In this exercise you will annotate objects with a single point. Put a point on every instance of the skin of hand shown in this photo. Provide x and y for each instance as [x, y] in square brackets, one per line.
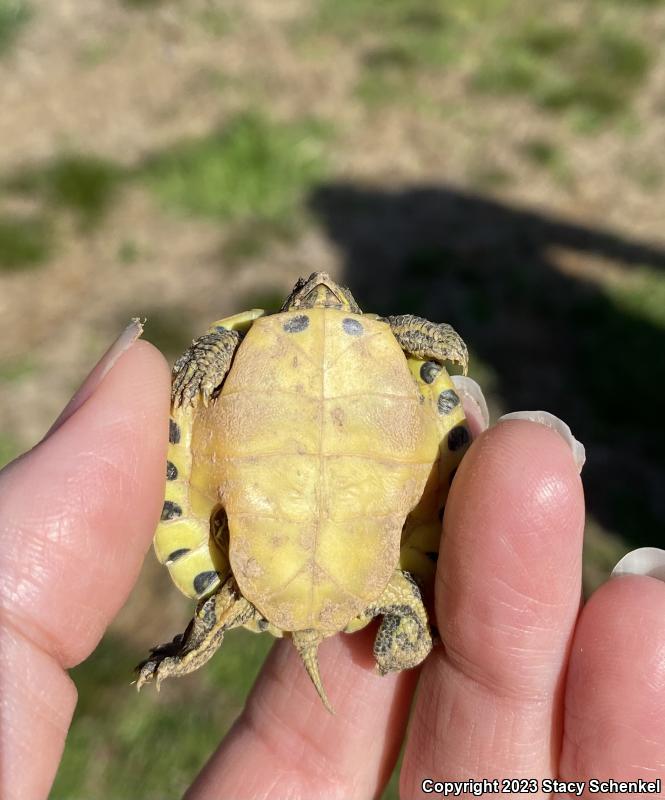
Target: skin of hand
[525, 684]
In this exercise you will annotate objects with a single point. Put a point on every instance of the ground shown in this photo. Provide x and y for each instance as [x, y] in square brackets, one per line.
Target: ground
[495, 165]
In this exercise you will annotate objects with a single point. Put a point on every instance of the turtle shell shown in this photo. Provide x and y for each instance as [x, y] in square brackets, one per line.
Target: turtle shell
[318, 447]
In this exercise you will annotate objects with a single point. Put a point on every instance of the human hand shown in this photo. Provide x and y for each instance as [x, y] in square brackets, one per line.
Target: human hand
[522, 686]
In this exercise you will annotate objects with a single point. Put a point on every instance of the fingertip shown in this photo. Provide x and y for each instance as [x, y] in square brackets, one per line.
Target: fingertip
[510, 566]
[81, 507]
[615, 694]
[521, 465]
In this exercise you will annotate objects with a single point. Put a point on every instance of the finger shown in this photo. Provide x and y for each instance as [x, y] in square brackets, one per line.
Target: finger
[285, 744]
[508, 591]
[615, 696]
[78, 512]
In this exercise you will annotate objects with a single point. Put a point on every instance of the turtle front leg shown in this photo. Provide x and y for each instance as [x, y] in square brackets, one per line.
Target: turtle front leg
[203, 366]
[429, 341]
[188, 651]
[403, 640]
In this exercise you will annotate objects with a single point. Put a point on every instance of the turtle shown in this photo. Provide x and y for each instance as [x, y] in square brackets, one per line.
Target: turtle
[310, 454]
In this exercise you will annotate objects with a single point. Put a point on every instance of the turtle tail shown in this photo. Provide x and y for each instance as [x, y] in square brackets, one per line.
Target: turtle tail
[307, 643]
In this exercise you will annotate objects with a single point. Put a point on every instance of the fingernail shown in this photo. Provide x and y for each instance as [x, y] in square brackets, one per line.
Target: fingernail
[473, 400]
[643, 561]
[556, 424]
[103, 367]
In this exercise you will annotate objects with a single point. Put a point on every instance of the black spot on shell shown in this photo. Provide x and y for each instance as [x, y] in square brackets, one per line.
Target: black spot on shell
[174, 432]
[447, 400]
[171, 471]
[296, 324]
[204, 580]
[262, 624]
[170, 510]
[352, 326]
[220, 328]
[429, 370]
[458, 437]
[432, 556]
[176, 554]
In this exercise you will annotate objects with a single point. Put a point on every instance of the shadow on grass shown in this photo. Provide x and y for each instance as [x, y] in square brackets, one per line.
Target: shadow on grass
[589, 351]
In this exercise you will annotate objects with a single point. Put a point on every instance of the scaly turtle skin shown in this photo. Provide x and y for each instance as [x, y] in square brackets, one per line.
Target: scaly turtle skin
[310, 456]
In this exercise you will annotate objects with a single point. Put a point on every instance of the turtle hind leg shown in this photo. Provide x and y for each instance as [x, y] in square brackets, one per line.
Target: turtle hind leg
[403, 640]
[307, 644]
[188, 651]
[428, 340]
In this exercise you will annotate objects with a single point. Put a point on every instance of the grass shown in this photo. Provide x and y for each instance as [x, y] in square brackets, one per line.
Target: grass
[119, 739]
[591, 71]
[561, 69]
[251, 169]
[250, 239]
[641, 293]
[18, 368]
[170, 330]
[25, 241]
[83, 184]
[128, 252]
[9, 449]
[405, 37]
[544, 154]
[14, 15]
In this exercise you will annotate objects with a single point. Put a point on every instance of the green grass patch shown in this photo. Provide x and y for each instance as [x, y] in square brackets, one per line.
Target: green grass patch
[401, 39]
[83, 184]
[120, 739]
[14, 15]
[641, 293]
[593, 73]
[171, 330]
[138, 4]
[251, 169]
[9, 449]
[544, 154]
[16, 369]
[128, 252]
[215, 21]
[247, 240]
[25, 242]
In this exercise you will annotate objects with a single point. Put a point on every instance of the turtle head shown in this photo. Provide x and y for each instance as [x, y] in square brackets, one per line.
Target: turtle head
[320, 290]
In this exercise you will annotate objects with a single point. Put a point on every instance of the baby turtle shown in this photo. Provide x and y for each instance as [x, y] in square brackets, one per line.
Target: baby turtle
[310, 454]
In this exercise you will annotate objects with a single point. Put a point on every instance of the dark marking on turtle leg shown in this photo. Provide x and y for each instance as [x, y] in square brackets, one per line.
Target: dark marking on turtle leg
[458, 438]
[429, 371]
[204, 580]
[188, 651]
[174, 432]
[447, 401]
[203, 366]
[170, 510]
[403, 640]
[176, 554]
[171, 471]
[428, 340]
